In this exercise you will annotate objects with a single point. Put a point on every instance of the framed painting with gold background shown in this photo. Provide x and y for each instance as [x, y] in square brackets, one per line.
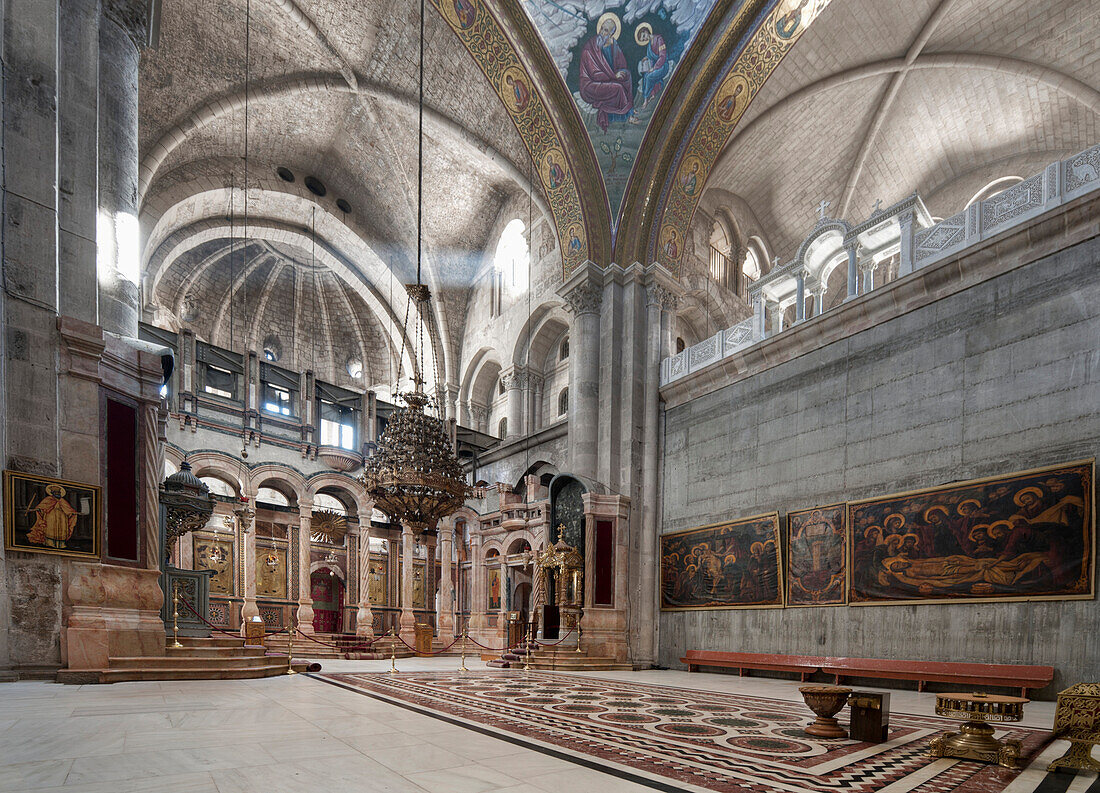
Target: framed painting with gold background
[44, 515]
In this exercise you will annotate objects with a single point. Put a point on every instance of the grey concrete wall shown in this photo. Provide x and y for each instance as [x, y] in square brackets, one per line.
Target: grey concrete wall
[998, 378]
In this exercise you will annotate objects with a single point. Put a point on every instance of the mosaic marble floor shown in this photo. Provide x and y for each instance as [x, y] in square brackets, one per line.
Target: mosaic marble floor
[671, 738]
[303, 735]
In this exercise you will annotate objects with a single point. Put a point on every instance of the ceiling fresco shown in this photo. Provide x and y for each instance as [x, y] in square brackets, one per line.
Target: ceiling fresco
[616, 59]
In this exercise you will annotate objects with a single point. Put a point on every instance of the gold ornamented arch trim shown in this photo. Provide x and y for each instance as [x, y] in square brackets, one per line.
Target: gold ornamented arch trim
[583, 227]
[708, 131]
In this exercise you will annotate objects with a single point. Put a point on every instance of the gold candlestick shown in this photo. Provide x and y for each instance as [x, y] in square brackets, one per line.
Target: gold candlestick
[462, 658]
[579, 633]
[290, 649]
[176, 614]
[527, 652]
[393, 651]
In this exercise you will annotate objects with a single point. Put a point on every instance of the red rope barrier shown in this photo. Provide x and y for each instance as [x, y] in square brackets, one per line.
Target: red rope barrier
[429, 653]
[351, 649]
[554, 644]
[212, 626]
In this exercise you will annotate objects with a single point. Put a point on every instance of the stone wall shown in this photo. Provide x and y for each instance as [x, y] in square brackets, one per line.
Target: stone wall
[999, 377]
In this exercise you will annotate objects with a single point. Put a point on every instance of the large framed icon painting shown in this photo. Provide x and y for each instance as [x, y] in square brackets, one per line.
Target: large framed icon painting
[1023, 536]
[43, 515]
[817, 557]
[727, 565]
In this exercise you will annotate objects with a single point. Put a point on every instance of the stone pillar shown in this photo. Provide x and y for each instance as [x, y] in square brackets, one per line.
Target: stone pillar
[407, 624]
[776, 312]
[305, 599]
[247, 547]
[868, 268]
[905, 225]
[478, 598]
[515, 386]
[118, 256]
[759, 324]
[819, 300]
[534, 403]
[445, 615]
[480, 417]
[583, 293]
[464, 416]
[429, 575]
[364, 617]
[800, 296]
[853, 272]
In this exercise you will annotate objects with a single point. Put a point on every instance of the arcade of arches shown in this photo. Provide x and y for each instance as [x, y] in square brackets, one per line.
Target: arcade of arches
[757, 327]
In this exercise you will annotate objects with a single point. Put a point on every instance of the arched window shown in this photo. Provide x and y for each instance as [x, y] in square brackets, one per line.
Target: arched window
[563, 401]
[680, 346]
[331, 503]
[563, 349]
[752, 266]
[503, 428]
[269, 495]
[218, 487]
[510, 264]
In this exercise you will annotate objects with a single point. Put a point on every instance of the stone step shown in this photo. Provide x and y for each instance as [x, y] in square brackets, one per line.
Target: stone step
[185, 662]
[215, 652]
[207, 673]
[220, 640]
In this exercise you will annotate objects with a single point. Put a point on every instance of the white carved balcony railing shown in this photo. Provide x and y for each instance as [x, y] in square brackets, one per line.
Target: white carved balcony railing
[919, 247]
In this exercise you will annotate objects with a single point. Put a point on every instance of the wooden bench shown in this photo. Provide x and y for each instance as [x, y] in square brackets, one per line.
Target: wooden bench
[1006, 675]
[802, 664]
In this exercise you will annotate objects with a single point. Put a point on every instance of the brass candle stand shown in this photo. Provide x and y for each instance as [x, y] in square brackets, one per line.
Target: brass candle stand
[462, 657]
[393, 651]
[1077, 720]
[579, 633]
[974, 740]
[527, 652]
[290, 648]
[176, 615]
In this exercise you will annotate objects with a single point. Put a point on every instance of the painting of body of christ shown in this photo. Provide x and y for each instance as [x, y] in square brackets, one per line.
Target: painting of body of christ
[1028, 535]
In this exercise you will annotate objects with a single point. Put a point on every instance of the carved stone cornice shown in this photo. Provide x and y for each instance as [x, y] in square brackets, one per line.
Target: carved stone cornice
[84, 344]
[132, 16]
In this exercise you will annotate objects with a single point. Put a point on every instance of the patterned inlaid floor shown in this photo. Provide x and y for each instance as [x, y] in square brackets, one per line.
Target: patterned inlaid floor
[679, 739]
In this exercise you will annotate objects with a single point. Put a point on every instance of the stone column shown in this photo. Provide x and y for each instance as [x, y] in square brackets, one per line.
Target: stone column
[364, 617]
[660, 297]
[534, 403]
[122, 28]
[247, 547]
[480, 417]
[429, 575]
[583, 294]
[478, 599]
[776, 312]
[305, 599]
[759, 325]
[445, 616]
[407, 624]
[800, 296]
[853, 271]
[905, 225]
[515, 384]
[819, 299]
[868, 268]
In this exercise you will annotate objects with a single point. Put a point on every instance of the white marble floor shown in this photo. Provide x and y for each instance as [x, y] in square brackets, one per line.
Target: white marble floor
[290, 734]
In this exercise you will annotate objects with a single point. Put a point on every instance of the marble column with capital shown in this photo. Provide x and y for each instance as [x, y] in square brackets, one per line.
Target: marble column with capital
[515, 386]
[583, 295]
[305, 598]
[364, 617]
[905, 226]
[445, 616]
[800, 296]
[407, 622]
[247, 533]
[853, 272]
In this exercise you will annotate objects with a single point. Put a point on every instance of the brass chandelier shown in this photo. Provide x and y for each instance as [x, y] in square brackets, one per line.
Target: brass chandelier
[414, 476]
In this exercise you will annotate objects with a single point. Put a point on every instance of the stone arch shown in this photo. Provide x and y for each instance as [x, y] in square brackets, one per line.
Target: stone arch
[208, 462]
[347, 486]
[281, 477]
[321, 564]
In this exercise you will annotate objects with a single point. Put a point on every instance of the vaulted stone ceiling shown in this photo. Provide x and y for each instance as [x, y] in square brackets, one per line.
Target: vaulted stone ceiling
[878, 100]
[332, 95]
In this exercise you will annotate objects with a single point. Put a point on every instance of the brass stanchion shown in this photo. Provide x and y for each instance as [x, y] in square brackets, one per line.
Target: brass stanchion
[527, 652]
[462, 658]
[290, 649]
[176, 614]
[393, 651]
[578, 634]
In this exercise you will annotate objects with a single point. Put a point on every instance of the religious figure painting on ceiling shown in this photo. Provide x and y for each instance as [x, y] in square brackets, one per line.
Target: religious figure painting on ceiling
[43, 515]
[816, 569]
[616, 59]
[727, 565]
[1027, 535]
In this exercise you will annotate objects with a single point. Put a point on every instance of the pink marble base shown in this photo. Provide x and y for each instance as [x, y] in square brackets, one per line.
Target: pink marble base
[111, 611]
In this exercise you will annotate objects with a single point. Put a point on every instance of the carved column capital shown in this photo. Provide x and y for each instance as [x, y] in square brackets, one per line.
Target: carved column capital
[659, 295]
[584, 298]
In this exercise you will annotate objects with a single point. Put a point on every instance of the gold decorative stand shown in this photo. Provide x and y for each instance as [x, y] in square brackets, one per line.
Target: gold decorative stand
[1077, 720]
[974, 740]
